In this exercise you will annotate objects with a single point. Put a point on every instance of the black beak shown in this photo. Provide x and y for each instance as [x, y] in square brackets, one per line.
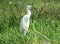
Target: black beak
[34, 8]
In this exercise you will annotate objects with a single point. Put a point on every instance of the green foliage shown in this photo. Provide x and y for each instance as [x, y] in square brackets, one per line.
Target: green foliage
[44, 22]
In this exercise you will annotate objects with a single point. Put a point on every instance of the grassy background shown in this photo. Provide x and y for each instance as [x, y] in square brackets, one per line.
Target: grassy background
[44, 22]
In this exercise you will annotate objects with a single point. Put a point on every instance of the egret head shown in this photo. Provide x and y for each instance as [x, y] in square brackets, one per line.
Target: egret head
[28, 7]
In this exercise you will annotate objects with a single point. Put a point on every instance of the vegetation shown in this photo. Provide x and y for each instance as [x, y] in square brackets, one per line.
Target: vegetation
[44, 22]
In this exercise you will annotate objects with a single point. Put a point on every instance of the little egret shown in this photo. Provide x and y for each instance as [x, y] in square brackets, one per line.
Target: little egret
[24, 25]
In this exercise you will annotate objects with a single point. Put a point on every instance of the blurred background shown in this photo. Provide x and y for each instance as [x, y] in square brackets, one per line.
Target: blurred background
[44, 22]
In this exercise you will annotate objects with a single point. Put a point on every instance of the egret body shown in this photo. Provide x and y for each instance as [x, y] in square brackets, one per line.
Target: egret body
[24, 25]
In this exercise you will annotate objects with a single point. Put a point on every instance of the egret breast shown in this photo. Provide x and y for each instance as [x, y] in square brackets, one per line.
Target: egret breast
[26, 25]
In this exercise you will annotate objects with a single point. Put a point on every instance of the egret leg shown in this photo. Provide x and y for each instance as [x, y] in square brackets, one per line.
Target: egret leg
[25, 31]
[20, 28]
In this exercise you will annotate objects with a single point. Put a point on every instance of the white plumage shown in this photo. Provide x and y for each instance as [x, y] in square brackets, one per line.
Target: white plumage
[24, 25]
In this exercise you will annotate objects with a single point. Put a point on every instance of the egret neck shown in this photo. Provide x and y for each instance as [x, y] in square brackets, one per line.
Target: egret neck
[28, 12]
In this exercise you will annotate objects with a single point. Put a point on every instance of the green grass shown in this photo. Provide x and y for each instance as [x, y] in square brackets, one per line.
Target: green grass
[44, 22]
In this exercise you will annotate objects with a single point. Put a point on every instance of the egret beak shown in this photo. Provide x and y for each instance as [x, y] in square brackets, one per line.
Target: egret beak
[34, 8]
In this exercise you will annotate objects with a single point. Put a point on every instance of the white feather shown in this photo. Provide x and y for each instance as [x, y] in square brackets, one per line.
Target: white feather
[24, 25]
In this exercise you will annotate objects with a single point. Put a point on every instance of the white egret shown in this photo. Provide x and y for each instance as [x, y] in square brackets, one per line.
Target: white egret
[24, 25]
